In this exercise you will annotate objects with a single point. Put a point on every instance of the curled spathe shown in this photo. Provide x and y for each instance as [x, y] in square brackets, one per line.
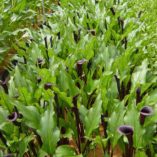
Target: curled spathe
[146, 111]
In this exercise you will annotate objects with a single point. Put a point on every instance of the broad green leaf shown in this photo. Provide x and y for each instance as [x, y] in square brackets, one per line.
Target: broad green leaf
[68, 87]
[31, 115]
[139, 76]
[5, 100]
[48, 131]
[65, 151]
[92, 118]
[140, 154]
[3, 116]
[132, 118]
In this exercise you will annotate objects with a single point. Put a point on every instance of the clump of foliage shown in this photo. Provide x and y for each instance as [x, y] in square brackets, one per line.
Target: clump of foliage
[82, 79]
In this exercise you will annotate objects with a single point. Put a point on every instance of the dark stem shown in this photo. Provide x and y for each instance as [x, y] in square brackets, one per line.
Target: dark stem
[27, 154]
[59, 3]
[104, 124]
[46, 46]
[125, 42]
[148, 152]
[106, 25]
[121, 24]
[59, 35]
[108, 146]
[138, 95]
[38, 138]
[25, 60]
[76, 35]
[57, 108]
[118, 84]
[32, 146]
[139, 14]
[74, 19]
[129, 150]
[51, 43]
[122, 92]
[112, 10]
[86, 146]
[88, 27]
[96, 1]
[128, 87]
[111, 152]
[80, 130]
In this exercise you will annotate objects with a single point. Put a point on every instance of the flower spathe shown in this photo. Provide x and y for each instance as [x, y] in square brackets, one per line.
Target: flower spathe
[12, 117]
[126, 130]
[145, 112]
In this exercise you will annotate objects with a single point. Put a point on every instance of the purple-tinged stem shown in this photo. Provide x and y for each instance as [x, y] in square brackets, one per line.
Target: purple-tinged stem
[138, 95]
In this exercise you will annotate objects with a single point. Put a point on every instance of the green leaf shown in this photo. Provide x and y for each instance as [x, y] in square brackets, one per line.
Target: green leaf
[5, 100]
[49, 132]
[93, 116]
[31, 115]
[139, 76]
[132, 118]
[140, 154]
[68, 87]
[23, 145]
[65, 151]
[116, 119]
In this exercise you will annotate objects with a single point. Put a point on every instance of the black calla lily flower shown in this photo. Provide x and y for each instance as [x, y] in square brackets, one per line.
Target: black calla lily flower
[145, 112]
[40, 60]
[47, 86]
[38, 79]
[80, 66]
[128, 131]
[12, 117]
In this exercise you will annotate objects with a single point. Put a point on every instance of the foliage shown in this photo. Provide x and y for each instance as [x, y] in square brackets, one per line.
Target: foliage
[80, 70]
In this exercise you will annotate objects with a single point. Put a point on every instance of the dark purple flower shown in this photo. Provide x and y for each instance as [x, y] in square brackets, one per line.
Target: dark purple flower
[128, 132]
[80, 66]
[38, 79]
[47, 86]
[81, 62]
[12, 117]
[145, 112]
[40, 62]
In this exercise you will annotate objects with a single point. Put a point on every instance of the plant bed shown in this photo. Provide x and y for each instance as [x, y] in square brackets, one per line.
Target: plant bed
[82, 84]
